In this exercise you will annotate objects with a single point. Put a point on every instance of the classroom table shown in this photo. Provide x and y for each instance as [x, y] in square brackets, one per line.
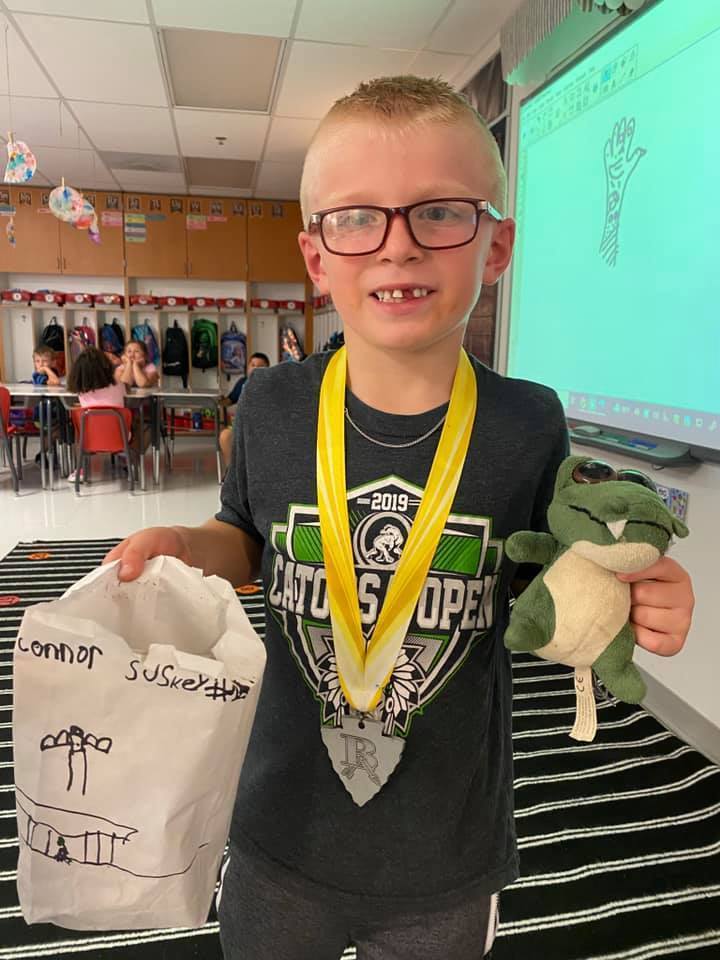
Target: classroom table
[158, 397]
[164, 397]
[45, 395]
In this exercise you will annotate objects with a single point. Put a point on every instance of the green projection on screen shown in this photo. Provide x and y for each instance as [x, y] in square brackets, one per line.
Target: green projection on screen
[616, 281]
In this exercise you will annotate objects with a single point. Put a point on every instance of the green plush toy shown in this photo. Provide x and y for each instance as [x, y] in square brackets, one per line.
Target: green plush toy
[576, 611]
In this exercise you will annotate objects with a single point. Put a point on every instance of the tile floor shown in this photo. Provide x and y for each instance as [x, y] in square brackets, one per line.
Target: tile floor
[189, 494]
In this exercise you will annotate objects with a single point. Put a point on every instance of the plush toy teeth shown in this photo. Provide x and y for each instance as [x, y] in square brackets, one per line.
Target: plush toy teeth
[616, 528]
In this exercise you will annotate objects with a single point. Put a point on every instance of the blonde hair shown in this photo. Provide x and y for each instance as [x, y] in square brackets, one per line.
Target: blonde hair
[411, 101]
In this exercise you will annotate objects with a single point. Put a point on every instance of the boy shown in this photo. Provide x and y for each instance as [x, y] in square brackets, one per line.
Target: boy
[44, 371]
[256, 361]
[387, 823]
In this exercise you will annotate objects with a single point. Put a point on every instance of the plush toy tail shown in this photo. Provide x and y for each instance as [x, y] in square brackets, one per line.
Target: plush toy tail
[585, 712]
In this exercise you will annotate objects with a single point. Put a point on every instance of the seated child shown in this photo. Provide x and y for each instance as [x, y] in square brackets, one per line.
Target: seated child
[45, 371]
[44, 374]
[255, 361]
[135, 370]
[91, 377]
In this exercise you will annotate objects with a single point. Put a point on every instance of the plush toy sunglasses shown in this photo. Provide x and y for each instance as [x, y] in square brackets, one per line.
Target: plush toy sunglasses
[597, 471]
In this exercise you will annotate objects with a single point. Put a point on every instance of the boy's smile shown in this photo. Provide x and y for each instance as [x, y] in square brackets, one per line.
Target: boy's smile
[404, 296]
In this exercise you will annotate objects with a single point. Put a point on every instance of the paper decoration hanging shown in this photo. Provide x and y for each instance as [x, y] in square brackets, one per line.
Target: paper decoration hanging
[87, 220]
[21, 165]
[10, 231]
[66, 203]
[69, 205]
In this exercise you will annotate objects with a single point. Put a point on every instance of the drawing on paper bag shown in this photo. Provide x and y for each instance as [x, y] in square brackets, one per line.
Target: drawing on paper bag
[75, 837]
[76, 742]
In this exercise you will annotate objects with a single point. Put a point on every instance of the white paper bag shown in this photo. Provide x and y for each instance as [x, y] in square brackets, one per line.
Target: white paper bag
[133, 709]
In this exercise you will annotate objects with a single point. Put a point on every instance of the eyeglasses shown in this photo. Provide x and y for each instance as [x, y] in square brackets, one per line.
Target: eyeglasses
[433, 224]
[597, 471]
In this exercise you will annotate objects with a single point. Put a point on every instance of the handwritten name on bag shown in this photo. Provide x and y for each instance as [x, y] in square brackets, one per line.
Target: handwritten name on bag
[214, 688]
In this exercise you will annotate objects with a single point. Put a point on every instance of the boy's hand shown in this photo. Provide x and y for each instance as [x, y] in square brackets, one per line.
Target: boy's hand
[140, 547]
[662, 604]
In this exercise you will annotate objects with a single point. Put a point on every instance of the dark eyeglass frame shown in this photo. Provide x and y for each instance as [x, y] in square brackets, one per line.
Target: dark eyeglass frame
[627, 474]
[315, 221]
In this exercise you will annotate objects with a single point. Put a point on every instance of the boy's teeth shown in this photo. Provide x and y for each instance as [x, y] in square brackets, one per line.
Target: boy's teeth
[387, 296]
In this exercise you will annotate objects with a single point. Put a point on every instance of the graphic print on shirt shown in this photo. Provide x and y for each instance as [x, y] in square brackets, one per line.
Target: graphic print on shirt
[455, 610]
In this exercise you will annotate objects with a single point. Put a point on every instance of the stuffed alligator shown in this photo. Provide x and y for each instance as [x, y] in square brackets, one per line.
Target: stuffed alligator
[576, 611]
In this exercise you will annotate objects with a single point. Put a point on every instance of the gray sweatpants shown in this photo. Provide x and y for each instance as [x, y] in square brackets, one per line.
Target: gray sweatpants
[267, 913]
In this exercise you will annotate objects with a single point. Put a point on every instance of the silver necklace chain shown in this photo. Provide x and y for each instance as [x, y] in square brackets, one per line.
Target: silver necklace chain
[394, 446]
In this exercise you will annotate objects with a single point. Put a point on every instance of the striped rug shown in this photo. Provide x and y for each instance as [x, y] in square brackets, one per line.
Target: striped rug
[620, 839]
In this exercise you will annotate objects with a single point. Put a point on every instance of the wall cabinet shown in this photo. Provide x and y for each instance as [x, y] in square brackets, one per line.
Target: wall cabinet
[80, 256]
[43, 244]
[155, 235]
[273, 251]
[37, 232]
[216, 238]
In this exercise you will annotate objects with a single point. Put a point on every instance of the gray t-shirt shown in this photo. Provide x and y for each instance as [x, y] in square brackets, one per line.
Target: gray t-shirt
[443, 823]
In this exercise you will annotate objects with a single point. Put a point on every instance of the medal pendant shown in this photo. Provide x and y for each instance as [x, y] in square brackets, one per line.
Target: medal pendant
[362, 755]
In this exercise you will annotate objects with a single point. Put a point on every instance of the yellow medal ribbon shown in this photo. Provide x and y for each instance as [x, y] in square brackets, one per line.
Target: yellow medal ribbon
[363, 670]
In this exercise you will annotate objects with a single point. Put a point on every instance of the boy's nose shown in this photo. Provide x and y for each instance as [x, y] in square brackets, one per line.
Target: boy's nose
[399, 244]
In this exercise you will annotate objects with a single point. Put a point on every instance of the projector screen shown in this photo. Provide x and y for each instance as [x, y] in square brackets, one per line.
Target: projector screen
[616, 277]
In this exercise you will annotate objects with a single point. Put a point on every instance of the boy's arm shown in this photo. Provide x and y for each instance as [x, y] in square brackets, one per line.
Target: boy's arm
[229, 545]
[215, 547]
[52, 378]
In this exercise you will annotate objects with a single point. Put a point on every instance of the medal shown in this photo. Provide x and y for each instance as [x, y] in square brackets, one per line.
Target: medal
[362, 755]
[364, 669]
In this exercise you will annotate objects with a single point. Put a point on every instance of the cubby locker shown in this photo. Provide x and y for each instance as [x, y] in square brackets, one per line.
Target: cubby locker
[166, 319]
[21, 329]
[295, 319]
[226, 320]
[81, 316]
[209, 378]
[264, 334]
[109, 314]
[265, 322]
[326, 322]
[140, 315]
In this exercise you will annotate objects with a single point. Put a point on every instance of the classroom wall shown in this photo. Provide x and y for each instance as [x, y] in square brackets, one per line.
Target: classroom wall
[692, 676]
[683, 689]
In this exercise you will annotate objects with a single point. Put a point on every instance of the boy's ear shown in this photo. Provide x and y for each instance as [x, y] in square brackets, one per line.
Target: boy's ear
[313, 262]
[500, 252]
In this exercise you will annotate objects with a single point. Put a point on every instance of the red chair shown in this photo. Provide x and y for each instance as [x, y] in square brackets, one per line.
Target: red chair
[102, 430]
[5, 441]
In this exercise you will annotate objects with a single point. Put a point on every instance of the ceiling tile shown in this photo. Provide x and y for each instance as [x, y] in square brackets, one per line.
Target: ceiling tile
[469, 25]
[289, 139]
[245, 133]
[404, 24]
[143, 181]
[113, 62]
[114, 126]
[38, 123]
[430, 64]
[272, 19]
[318, 73]
[279, 181]
[26, 77]
[145, 162]
[237, 71]
[203, 171]
[128, 10]
[81, 168]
